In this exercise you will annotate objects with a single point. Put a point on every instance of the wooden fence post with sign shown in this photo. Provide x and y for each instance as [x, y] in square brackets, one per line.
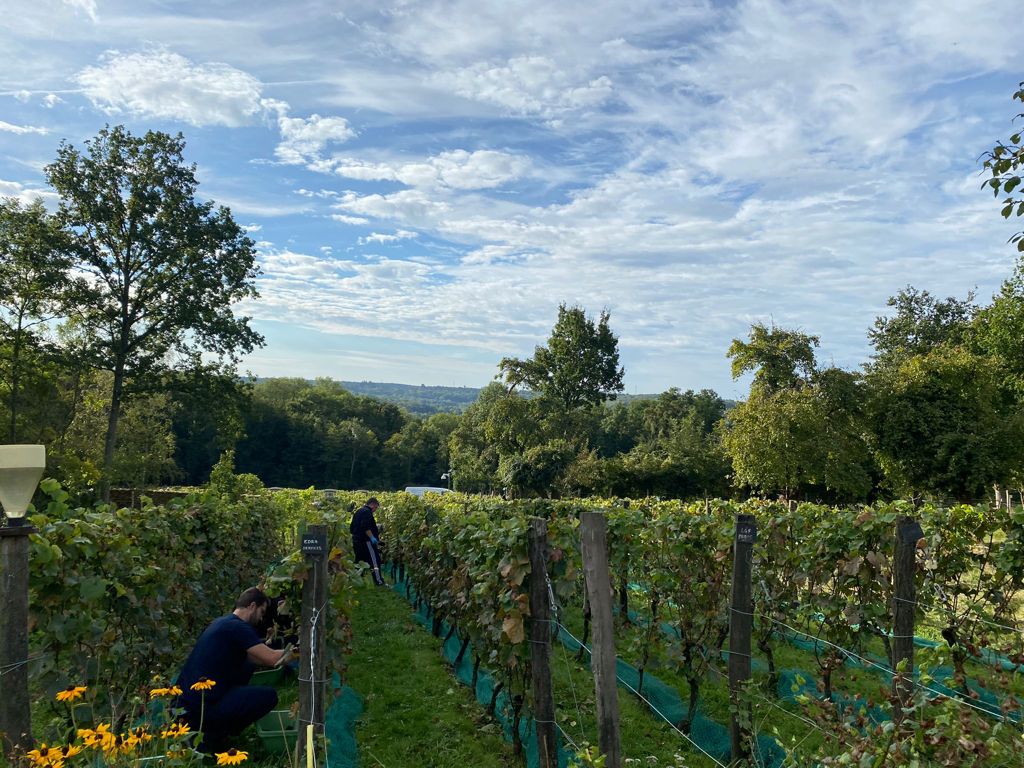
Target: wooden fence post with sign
[312, 682]
[741, 621]
[540, 646]
[908, 532]
[594, 542]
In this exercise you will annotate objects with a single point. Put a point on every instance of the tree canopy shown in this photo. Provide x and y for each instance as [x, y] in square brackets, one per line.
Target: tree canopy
[579, 366]
[164, 268]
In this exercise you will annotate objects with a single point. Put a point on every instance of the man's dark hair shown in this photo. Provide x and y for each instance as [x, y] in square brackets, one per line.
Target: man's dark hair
[372, 500]
[250, 596]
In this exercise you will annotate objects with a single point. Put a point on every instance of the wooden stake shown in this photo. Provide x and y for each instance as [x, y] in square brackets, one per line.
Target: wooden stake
[741, 622]
[594, 541]
[312, 682]
[540, 646]
[15, 711]
[908, 531]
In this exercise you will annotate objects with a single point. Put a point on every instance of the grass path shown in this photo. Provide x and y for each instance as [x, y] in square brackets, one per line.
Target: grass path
[416, 715]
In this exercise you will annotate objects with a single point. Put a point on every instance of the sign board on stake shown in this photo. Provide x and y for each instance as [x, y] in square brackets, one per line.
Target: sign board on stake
[314, 543]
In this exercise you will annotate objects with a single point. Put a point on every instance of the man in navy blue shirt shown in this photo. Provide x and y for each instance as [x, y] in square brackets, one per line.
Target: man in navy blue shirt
[227, 653]
[366, 538]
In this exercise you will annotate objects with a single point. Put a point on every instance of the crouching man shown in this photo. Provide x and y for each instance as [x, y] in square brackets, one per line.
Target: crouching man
[216, 695]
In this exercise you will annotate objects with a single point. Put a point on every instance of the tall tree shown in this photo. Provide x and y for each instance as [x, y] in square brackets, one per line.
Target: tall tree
[579, 366]
[779, 358]
[919, 324]
[165, 269]
[34, 279]
[1005, 164]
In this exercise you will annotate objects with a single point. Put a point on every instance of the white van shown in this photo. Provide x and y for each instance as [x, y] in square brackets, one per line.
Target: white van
[419, 490]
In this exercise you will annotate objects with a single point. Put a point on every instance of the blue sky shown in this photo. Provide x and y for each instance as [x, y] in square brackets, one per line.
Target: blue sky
[427, 181]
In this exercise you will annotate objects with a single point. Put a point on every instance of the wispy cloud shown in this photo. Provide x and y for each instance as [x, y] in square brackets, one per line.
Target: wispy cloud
[22, 129]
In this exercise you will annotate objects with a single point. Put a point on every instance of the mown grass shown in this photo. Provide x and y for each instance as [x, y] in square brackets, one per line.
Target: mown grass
[416, 714]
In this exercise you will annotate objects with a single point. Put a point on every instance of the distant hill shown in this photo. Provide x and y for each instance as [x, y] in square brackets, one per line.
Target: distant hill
[421, 399]
[424, 400]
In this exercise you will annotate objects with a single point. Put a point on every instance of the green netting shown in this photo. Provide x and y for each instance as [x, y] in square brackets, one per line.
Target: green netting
[339, 725]
[980, 697]
[485, 687]
[664, 700]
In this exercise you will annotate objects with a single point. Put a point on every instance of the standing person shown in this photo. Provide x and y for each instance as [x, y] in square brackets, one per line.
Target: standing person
[366, 538]
[221, 703]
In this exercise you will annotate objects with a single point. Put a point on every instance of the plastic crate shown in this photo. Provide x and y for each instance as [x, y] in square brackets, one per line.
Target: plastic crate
[278, 731]
[272, 677]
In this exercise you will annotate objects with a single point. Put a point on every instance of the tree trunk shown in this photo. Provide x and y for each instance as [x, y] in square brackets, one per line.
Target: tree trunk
[110, 443]
[517, 742]
[624, 601]
[586, 627]
[15, 366]
[476, 672]
[494, 699]
[462, 652]
[764, 643]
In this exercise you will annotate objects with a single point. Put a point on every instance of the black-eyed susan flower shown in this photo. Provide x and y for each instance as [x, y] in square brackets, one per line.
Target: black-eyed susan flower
[68, 750]
[171, 690]
[39, 755]
[203, 684]
[232, 757]
[137, 736]
[175, 731]
[71, 693]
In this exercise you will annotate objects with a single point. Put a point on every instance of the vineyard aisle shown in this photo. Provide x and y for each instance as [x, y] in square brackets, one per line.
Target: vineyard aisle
[415, 713]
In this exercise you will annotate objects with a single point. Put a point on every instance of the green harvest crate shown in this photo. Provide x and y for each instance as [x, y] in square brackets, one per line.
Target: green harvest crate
[272, 677]
[278, 731]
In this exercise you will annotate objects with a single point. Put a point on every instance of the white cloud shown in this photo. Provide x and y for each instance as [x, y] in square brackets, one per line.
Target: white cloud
[455, 170]
[26, 194]
[302, 139]
[51, 100]
[378, 237]
[89, 6]
[22, 96]
[527, 85]
[165, 85]
[353, 220]
[21, 129]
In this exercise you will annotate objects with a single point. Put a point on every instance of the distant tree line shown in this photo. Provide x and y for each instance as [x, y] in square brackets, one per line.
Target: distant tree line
[119, 346]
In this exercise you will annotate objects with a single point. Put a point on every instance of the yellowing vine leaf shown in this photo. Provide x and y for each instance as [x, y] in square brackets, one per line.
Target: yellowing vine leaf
[513, 627]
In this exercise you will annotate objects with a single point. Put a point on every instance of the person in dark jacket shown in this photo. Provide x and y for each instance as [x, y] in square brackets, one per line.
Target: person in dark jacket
[216, 695]
[366, 538]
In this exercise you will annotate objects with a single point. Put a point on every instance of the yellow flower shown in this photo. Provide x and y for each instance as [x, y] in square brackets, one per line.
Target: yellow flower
[40, 755]
[175, 731]
[137, 736]
[72, 693]
[232, 757]
[203, 684]
[98, 738]
[172, 690]
[68, 750]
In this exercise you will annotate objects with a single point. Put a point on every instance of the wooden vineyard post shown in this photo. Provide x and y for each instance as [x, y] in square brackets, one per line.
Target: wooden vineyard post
[594, 542]
[908, 532]
[312, 682]
[741, 622]
[15, 704]
[540, 646]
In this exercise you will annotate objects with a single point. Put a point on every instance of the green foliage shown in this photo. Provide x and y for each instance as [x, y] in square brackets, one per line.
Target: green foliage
[920, 324]
[165, 268]
[780, 359]
[943, 424]
[578, 367]
[34, 284]
[143, 583]
[1005, 163]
